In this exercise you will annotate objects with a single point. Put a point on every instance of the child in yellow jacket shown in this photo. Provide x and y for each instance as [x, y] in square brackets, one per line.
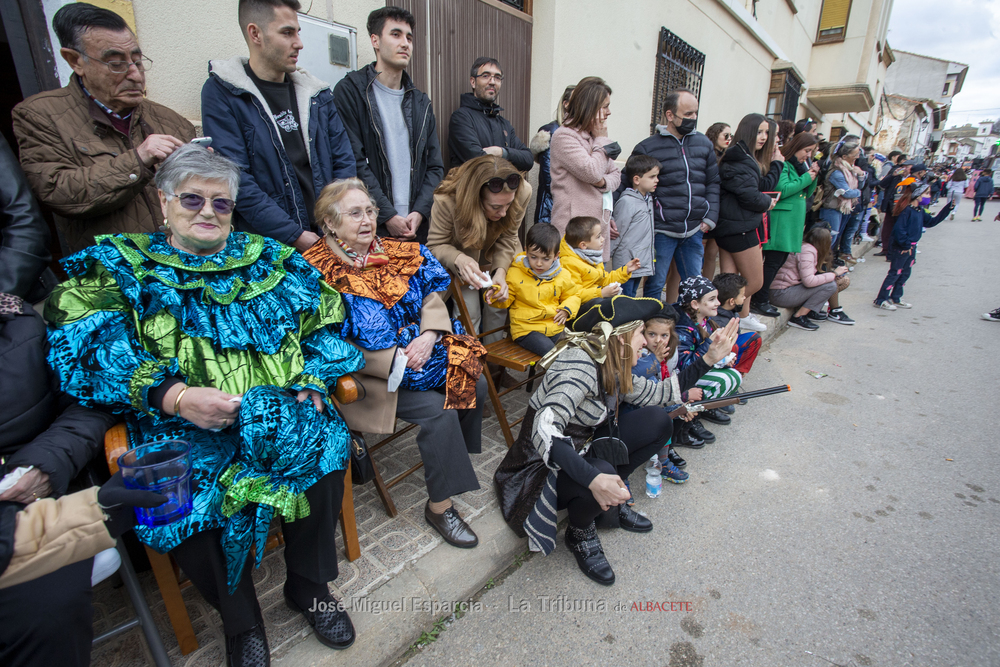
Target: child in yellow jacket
[541, 294]
[582, 254]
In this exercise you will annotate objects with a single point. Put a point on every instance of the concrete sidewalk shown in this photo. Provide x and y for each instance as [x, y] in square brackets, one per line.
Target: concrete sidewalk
[405, 581]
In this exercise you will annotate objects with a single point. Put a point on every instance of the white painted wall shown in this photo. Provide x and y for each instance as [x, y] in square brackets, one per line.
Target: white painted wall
[617, 41]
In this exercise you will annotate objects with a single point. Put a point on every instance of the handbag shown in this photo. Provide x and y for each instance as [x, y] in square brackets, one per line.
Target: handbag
[362, 466]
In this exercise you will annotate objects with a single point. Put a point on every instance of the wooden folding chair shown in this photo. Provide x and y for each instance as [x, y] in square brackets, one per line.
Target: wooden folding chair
[504, 352]
[165, 570]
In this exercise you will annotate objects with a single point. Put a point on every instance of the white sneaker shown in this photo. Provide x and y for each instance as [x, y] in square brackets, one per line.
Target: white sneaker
[885, 305]
[751, 323]
[867, 239]
[903, 304]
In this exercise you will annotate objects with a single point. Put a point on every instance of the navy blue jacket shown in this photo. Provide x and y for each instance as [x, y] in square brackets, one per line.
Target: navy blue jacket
[235, 115]
[909, 226]
[687, 192]
[984, 186]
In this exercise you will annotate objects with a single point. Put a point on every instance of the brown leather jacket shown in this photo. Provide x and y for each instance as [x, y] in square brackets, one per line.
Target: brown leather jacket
[84, 170]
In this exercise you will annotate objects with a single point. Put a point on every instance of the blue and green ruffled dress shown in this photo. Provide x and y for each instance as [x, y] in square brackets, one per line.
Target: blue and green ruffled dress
[253, 320]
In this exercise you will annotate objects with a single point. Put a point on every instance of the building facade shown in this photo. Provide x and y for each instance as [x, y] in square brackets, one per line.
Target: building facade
[791, 59]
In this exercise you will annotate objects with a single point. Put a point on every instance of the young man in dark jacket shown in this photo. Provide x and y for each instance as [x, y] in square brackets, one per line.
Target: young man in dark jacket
[255, 110]
[686, 200]
[477, 128]
[392, 129]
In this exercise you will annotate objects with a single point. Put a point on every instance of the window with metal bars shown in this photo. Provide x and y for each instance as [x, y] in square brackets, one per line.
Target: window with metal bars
[783, 97]
[678, 65]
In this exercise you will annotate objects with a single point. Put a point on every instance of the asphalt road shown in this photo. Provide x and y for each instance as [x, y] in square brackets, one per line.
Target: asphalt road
[854, 521]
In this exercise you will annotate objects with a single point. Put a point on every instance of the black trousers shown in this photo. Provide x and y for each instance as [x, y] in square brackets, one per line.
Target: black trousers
[644, 431]
[48, 621]
[310, 554]
[445, 439]
[773, 259]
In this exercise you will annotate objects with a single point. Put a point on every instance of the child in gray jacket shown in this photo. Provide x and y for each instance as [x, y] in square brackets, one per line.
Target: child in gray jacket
[633, 216]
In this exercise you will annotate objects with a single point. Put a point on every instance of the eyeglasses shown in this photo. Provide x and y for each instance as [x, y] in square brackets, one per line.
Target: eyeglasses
[727, 135]
[359, 214]
[496, 183]
[487, 76]
[193, 202]
[143, 64]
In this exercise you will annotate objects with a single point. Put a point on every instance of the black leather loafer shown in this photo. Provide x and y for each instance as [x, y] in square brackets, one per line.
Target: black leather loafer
[715, 416]
[632, 521]
[698, 430]
[452, 527]
[330, 622]
[248, 649]
[586, 548]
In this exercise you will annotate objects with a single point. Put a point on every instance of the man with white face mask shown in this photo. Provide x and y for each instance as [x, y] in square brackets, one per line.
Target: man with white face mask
[686, 199]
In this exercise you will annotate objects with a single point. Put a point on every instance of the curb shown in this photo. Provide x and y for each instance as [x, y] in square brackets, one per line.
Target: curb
[392, 618]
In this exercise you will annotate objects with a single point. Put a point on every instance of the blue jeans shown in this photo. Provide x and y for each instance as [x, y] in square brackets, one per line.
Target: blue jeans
[834, 220]
[899, 272]
[631, 286]
[847, 234]
[688, 253]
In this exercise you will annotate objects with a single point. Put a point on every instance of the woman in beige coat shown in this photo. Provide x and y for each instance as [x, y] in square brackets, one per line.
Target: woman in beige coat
[583, 168]
[477, 212]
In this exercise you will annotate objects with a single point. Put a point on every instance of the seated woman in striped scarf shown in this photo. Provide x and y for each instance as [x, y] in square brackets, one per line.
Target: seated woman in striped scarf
[572, 452]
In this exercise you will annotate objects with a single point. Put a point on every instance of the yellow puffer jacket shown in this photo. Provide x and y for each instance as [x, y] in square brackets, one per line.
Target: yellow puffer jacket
[590, 277]
[533, 302]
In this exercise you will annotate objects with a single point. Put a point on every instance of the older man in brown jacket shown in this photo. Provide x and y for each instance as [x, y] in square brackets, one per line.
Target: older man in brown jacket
[89, 149]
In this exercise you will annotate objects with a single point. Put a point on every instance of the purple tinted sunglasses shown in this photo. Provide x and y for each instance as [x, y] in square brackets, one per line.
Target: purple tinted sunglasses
[193, 202]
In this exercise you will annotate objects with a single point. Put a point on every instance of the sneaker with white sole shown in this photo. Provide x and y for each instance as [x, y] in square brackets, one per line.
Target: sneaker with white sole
[993, 316]
[839, 316]
[902, 304]
[751, 323]
[885, 305]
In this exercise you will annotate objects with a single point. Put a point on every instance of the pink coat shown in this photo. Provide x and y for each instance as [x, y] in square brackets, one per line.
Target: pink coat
[577, 162]
[800, 267]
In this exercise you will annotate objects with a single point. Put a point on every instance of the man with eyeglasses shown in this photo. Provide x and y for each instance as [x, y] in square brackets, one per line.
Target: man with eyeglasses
[476, 126]
[90, 149]
[279, 123]
[392, 129]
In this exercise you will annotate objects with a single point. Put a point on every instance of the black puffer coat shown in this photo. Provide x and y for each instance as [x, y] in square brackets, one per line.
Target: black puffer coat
[39, 425]
[687, 193]
[743, 201]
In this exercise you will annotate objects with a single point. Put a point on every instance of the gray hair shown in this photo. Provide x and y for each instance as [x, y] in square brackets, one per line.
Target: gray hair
[194, 160]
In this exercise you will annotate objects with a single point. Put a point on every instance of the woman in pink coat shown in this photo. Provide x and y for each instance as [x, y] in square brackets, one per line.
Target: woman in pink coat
[583, 160]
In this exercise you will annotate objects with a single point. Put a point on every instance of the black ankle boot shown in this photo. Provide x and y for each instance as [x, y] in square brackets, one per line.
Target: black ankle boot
[632, 521]
[248, 649]
[586, 547]
[698, 430]
[683, 437]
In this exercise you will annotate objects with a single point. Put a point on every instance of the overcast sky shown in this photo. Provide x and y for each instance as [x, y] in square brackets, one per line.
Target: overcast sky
[964, 31]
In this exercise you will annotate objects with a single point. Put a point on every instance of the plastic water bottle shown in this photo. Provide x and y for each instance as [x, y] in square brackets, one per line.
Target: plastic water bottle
[654, 483]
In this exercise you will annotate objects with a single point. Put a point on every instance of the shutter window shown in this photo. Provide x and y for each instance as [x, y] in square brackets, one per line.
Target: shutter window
[833, 20]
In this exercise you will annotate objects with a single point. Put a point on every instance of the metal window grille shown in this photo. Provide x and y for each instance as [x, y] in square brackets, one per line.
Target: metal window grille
[678, 65]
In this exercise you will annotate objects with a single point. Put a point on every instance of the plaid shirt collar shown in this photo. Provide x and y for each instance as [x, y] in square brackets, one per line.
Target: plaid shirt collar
[102, 106]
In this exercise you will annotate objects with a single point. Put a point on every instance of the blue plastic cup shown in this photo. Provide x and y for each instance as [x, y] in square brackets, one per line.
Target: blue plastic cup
[163, 467]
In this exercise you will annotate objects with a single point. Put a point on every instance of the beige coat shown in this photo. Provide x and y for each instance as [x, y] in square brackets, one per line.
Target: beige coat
[375, 409]
[84, 170]
[442, 238]
[52, 533]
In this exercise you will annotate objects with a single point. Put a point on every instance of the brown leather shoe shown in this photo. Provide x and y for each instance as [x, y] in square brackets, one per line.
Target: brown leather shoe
[452, 527]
